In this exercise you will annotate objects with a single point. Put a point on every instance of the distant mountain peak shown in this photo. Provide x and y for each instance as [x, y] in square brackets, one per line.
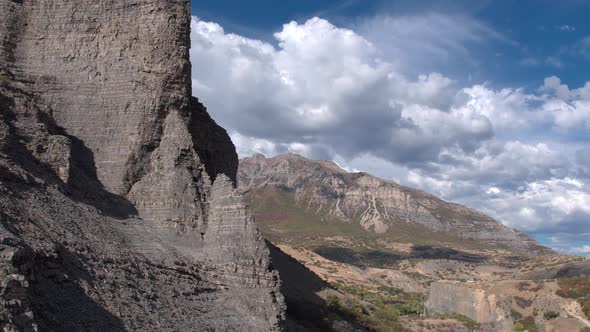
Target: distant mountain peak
[379, 206]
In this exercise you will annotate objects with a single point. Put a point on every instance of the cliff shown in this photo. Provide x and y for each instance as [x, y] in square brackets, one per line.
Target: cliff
[468, 300]
[118, 206]
[498, 306]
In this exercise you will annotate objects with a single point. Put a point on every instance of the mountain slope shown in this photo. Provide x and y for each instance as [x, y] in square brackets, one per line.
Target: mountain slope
[397, 258]
[366, 205]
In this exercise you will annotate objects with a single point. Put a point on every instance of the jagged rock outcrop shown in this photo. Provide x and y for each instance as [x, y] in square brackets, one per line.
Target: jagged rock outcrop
[212, 143]
[117, 202]
[377, 205]
[471, 301]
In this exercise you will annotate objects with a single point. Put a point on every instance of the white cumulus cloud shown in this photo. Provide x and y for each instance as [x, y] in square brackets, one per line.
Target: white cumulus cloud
[371, 98]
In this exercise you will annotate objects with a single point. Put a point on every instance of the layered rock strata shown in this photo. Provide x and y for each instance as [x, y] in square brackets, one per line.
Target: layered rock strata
[118, 207]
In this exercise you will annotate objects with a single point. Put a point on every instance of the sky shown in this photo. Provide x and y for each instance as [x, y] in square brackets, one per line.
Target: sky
[484, 103]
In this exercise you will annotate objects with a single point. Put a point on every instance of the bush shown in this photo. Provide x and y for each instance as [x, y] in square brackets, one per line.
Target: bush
[333, 302]
[355, 308]
[551, 315]
[388, 313]
[518, 327]
[527, 324]
[522, 302]
[522, 286]
[516, 315]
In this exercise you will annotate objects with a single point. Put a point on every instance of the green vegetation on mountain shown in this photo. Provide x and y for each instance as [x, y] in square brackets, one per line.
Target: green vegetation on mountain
[304, 202]
[281, 220]
[379, 309]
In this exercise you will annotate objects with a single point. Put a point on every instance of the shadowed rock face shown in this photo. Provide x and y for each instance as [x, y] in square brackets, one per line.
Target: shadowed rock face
[377, 205]
[118, 207]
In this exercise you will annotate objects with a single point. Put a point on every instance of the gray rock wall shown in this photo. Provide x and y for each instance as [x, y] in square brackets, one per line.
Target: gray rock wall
[490, 310]
[112, 71]
[447, 298]
[117, 202]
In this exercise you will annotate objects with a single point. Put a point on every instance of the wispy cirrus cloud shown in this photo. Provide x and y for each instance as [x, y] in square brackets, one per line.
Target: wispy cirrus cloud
[566, 27]
[423, 43]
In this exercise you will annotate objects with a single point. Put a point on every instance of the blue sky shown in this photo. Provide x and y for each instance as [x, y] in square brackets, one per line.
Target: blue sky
[486, 103]
[541, 34]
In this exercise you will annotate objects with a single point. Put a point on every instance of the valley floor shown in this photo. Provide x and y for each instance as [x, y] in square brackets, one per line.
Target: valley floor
[496, 293]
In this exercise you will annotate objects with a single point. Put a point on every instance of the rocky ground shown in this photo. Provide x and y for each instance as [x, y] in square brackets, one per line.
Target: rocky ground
[449, 295]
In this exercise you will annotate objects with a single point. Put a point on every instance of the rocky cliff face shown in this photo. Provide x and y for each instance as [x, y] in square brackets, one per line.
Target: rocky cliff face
[471, 301]
[379, 206]
[497, 306]
[117, 201]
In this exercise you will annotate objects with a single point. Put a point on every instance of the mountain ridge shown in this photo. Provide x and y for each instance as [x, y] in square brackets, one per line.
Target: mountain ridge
[376, 204]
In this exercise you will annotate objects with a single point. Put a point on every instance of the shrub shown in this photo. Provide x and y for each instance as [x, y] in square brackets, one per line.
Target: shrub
[333, 302]
[515, 314]
[522, 286]
[551, 315]
[355, 307]
[388, 313]
[466, 321]
[529, 324]
[518, 327]
[391, 290]
[522, 302]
